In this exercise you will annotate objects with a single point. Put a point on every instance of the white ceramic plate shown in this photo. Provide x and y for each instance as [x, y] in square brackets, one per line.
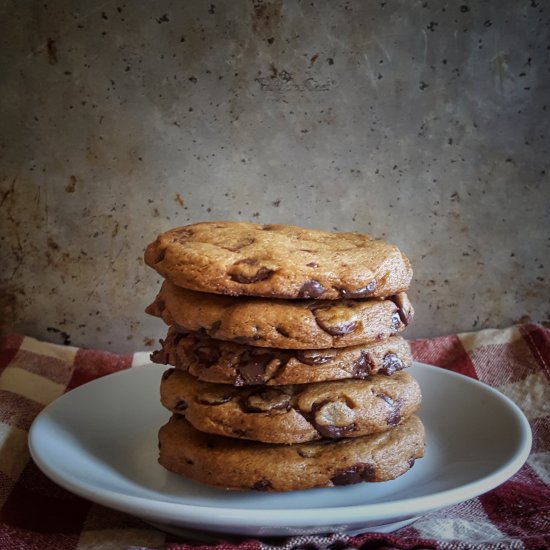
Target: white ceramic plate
[100, 442]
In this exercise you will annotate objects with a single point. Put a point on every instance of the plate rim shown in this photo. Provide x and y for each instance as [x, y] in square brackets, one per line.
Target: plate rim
[142, 506]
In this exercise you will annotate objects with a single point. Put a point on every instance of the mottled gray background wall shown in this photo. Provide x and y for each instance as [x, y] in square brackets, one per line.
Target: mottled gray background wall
[422, 122]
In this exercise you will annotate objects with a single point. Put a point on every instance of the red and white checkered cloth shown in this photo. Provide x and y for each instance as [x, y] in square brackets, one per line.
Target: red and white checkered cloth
[37, 514]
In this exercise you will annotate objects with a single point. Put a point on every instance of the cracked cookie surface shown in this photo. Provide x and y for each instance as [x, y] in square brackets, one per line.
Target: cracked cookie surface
[296, 413]
[281, 261]
[242, 365]
[238, 464]
[285, 324]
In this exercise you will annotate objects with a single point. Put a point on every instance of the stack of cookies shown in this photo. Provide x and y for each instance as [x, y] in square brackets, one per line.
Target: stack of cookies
[288, 370]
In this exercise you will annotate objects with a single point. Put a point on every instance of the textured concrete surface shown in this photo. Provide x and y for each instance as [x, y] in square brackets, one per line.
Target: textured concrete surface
[425, 123]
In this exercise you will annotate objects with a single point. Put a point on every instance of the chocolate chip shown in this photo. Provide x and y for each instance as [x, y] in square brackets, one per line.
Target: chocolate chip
[167, 373]
[332, 419]
[262, 485]
[282, 331]
[404, 307]
[314, 357]
[261, 274]
[411, 461]
[216, 398]
[252, 367]
[358, 293]
[356, 474]
[395, 322]
[266, 400]
[312, 264]
[311, 289]
[240, 432]
[338, 330]
[363, 366]
[161, 253]
[395, 405]
[334, 432]
[334, 319]
[181, 405]
[206, 355]
[391, 363]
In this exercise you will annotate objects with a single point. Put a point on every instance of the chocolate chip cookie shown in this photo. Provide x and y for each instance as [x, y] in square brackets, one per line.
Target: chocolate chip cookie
[281, 261]
[292, 414]
[242, 365]
[238, 464]
[286, 324]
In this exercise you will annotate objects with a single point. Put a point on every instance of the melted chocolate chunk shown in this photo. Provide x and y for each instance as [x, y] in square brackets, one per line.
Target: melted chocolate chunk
[333, 322]
[311, 289]
[214, 398]
[262, 485]
[334, 432]
[265, 400]
[411, 461]
[261, 275]
[328, 418]
[312, 264]
[282, 331]
[395, 322]
[356, 474]
[245, 272]
[252, 367]
[167, 373]
[403, 307]
[363, 365]
[206, 355]
[314, 357]
[181, 405]
[160, 255]
[358, 293]
[395, 405]
[391, 363]
[338, 330]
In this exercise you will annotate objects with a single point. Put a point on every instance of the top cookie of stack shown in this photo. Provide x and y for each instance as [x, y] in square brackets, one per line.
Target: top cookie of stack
[278, 261]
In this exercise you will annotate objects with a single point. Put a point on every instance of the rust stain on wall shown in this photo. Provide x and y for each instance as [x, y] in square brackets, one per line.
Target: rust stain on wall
[51, 48]
[71, 186]
[180, 200]
[266, 18]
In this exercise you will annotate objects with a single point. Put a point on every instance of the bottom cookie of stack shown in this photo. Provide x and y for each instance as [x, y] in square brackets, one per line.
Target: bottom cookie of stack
[241, 464]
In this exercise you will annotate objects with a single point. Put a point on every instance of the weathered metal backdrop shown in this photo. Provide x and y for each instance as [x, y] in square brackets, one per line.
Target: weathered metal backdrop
[422, 122]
